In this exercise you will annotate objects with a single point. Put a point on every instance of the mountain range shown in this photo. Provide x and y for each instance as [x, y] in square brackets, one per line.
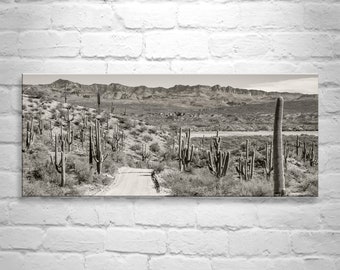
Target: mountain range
[227, 94]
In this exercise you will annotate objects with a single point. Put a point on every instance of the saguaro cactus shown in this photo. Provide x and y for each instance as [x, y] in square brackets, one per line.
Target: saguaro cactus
[297, 146]
[98, 101]
[69, 137]
[246, 161]
[252, 164]
[185, 152]
[40, 124]
[60, 166]
[112, 108]
[304, 152]
[145, 153]
[218, 161]
[268, 163]
[97, 154]
[90, 146]
[29, 133]
[278, 170]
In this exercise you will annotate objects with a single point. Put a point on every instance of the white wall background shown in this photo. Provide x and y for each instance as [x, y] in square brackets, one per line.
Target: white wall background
[169, 37]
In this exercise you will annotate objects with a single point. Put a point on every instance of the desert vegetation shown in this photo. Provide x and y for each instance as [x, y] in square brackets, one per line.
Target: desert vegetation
[79, 141]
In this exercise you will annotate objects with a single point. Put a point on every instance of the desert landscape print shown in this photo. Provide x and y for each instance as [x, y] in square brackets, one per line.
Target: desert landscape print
[170, 135]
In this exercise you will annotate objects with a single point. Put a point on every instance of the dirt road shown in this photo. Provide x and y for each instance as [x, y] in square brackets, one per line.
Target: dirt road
[131, 182]
[208, 134]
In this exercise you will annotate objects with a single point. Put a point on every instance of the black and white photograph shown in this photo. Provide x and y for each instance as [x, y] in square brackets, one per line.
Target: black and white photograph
[170, 135]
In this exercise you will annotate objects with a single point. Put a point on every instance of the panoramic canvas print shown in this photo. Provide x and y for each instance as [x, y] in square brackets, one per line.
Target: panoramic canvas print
[170, 135]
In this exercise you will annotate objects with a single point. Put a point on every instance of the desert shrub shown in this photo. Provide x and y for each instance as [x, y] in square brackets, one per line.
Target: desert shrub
[83, 171]
[155, 148]
[134, 132]
[136, 147]
[126, 123]
[142, 129]
[109, 166]
[152, 131]
[102, 179]
[24, 107]
[158, 167]
[257, 187]
[185, 184]
[147, 138]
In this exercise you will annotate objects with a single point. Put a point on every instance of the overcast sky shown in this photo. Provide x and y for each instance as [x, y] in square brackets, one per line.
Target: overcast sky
[307, 84]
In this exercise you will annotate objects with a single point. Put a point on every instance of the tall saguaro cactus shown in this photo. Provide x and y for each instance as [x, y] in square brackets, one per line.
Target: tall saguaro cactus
[97, 153]
[185, 152]
[69, 137]
[98, 101]
[278, 169]
[60, 166]
[90, 146]
[29, 133]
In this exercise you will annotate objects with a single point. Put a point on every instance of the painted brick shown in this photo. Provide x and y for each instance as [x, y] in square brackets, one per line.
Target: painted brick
[111, 44]
[9, 44]
[320, 243]
[10, 162]
[74, 239]
[330, 186]
[144, 15]
[254, 264]
[329, 163]
[330, 215]
[298, 45]
[328, 74]
[10, 128]
[11, 260]
[80, 16]
[40, 212]
[265, 67]
[53, 261]
[239, 45]
[10, 184]
[258, 243]
[25, 17]
[104, 261]
[20, 238]
[264, 15]
[168, 213]
[141, 67]
[209, 15]
[5, 106]
[3, 212]
[328, 129]
[49, 44]
[290, 215]
[133, 240]
[179, 263]
[329, 102]
[92, 213]
[322, 16]
[11, 71]
[172, 44]
[192, 242]
[226, 215]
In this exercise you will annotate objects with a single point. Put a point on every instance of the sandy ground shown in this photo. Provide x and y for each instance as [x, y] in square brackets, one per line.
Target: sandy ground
[131, 182]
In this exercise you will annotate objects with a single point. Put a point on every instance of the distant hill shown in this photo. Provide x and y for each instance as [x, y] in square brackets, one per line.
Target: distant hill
[228, 95]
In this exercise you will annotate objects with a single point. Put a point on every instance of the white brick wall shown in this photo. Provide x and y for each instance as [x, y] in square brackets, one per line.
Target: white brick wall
[152, 36]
